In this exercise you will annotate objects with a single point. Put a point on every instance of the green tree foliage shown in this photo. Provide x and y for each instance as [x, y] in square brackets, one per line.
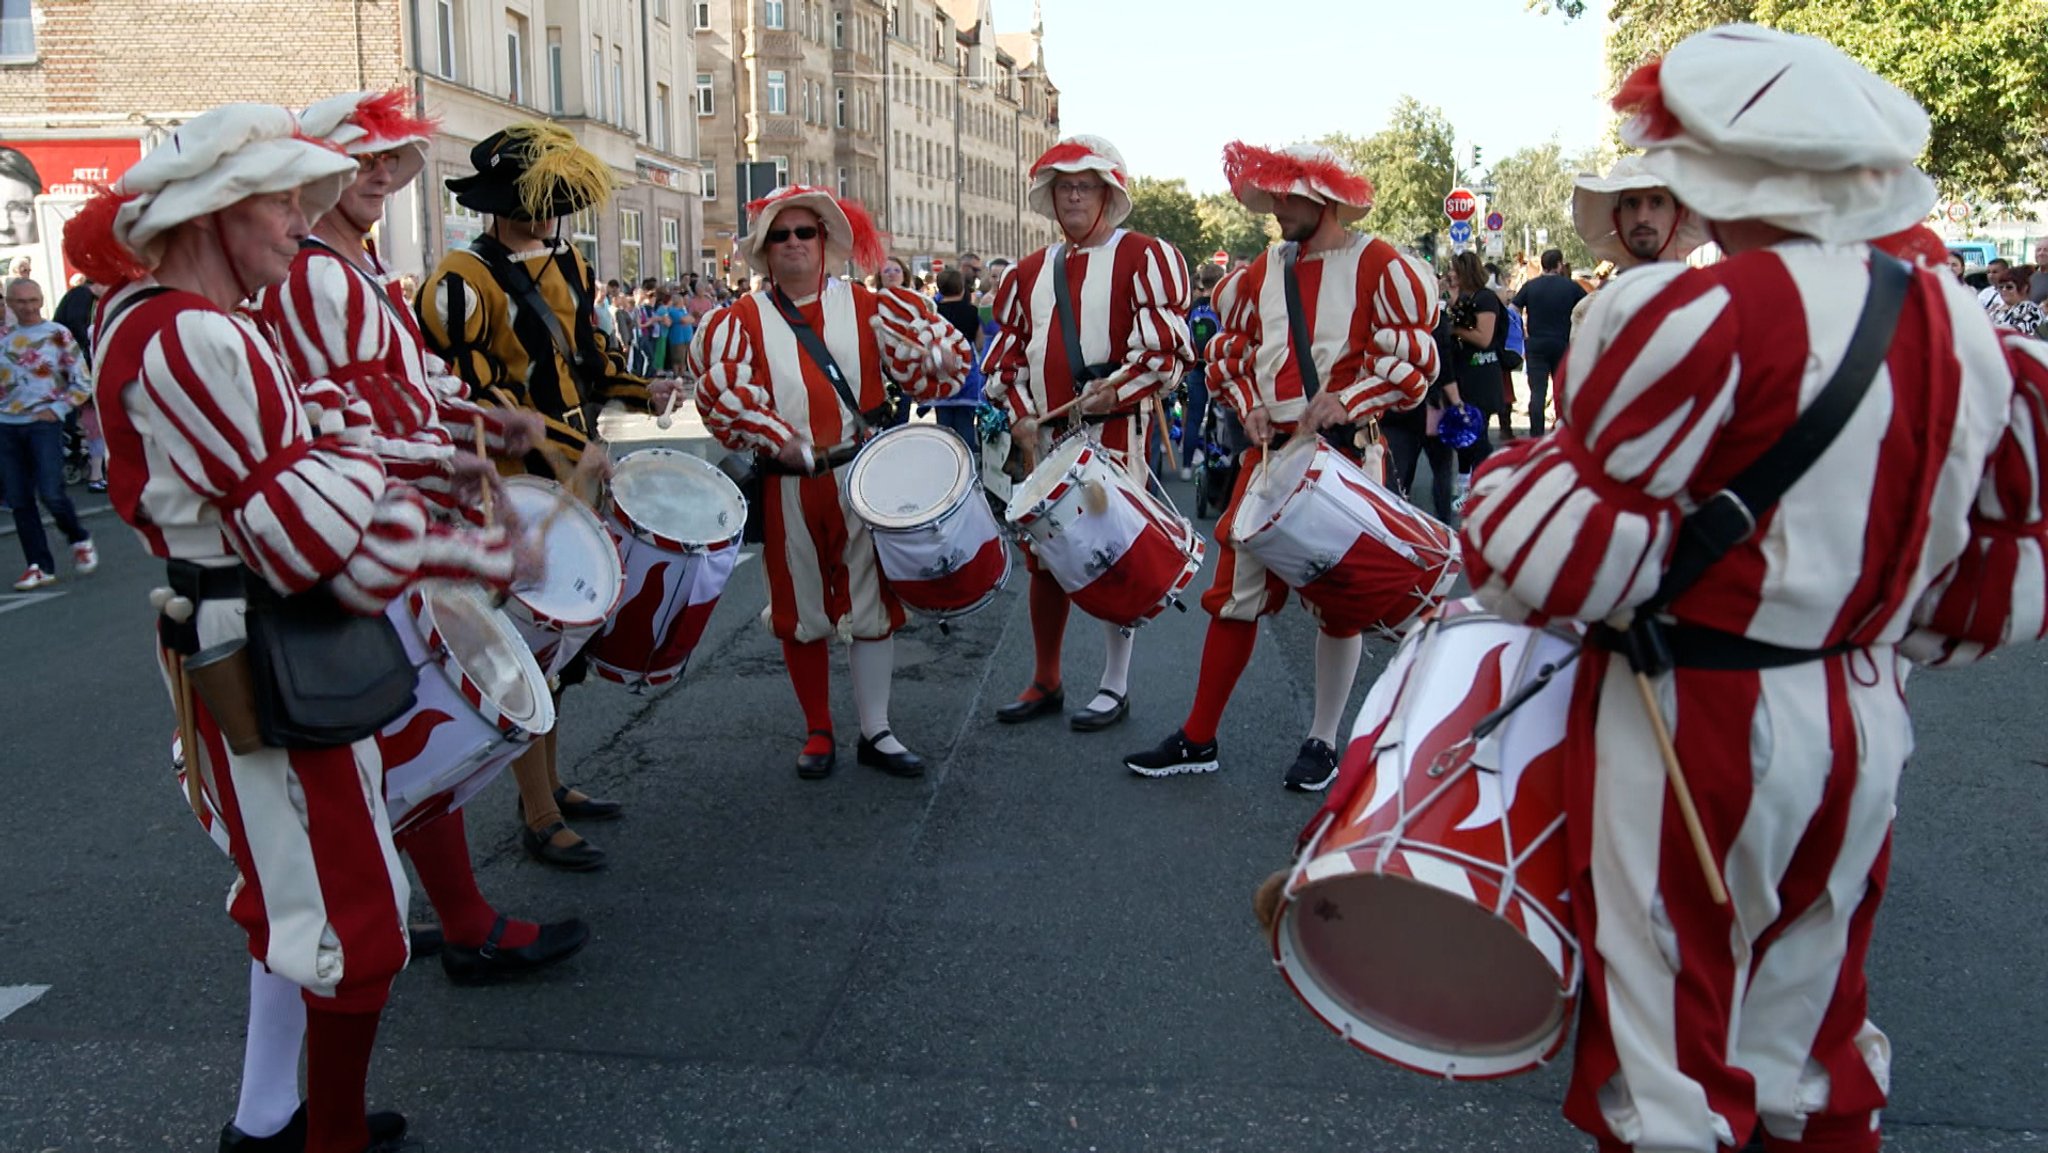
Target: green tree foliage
[1230, 226]
[1411, 166]
[1533, 189]
[1166, 209]
[1979, 66]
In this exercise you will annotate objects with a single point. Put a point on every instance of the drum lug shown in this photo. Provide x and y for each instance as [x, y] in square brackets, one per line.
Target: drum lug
[945, 628]
[1179, 604]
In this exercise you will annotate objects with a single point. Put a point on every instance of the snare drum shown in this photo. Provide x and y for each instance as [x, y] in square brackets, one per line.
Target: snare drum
[1121, 553]
[480, 700]
[677, 522]
[937, 541]
[583, 580]
[1427, 922]
[1365, 558]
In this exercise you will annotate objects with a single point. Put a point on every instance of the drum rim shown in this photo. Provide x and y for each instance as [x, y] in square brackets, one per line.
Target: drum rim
[965, 485]
[421, 601]
[648, 535]
[578, 509]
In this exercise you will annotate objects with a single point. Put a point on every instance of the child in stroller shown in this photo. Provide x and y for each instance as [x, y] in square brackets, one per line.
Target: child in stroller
[1215, 470]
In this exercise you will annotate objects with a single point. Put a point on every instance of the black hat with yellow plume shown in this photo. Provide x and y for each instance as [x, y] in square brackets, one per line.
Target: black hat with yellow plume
[533, 171]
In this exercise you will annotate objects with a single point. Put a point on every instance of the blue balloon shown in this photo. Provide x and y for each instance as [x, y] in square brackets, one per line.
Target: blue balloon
[1461, 426]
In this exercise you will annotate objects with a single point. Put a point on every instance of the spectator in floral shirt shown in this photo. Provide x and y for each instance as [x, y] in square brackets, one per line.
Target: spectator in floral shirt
[2012, 309]
[41, 380]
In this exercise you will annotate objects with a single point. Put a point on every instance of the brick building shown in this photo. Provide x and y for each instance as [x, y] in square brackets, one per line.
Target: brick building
[88, 86]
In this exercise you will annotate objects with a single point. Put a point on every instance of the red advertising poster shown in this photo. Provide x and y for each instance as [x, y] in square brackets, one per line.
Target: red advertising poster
[42, 182]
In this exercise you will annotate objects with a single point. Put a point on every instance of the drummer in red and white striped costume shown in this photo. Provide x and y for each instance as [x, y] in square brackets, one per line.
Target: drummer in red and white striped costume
[761, 390]
[1129, 294]
[1787, 699]
[1368, 310]
[212, 460]
[337, 316]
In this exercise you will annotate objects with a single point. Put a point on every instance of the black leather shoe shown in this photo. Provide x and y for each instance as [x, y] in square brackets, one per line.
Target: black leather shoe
[1096, 720]
[817, 766]
[387, 1130]
[580, 857]
[423, 941]
[588, 809]
[490, 962]
[1047, 703]
[903, 764]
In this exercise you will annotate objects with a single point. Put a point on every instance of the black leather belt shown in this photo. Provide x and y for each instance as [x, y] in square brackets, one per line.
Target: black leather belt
[1698, 647]
[197, 582]
[830, 459]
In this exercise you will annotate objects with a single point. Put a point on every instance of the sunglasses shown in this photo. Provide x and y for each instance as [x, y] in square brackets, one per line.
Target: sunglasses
[801, 232]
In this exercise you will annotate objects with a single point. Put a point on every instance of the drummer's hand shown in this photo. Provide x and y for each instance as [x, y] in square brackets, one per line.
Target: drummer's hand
[468, 476]
[1099, 397]
[1024, 430]
[1322, 412]
[529, 559]
[523, 430]
[1258, 425]
[659, 392]
[794, 454]
[593, 468]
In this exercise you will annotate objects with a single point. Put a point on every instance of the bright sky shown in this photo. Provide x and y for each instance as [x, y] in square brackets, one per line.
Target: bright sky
[1170, 82]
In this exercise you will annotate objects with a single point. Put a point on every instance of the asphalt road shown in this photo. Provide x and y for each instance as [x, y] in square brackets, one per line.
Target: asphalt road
[1030, 949]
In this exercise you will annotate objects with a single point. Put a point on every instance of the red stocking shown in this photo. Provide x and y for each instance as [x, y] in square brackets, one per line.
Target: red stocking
[810, 674]
[1225, 653]
[1049, 608]
[337, 1069]
[440, 854]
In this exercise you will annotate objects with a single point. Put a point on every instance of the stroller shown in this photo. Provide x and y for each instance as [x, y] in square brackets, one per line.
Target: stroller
[1222, 439]
[77, 460]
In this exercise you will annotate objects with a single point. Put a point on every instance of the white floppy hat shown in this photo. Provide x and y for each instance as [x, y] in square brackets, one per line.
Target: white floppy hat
[1081, 154]
[1596, 198]
[1260, 176]
[361, 123]
[213, 160]
[1749, 123]
[850, 234]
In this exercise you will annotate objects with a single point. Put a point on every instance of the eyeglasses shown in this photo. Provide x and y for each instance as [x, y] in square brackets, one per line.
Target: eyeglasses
[801, 232]
[1077, 189]
[369, 161]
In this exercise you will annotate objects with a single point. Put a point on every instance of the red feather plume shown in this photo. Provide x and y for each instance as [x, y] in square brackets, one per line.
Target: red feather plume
[1064, 153]
[1245, 166]
[1918, 244]
[869, 250]
[387, 116]
[1642, 96]
[89, 243]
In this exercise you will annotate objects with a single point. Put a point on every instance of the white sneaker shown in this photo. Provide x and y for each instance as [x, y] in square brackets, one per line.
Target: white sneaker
[85, 557]
[1187, 474]
[34, 578]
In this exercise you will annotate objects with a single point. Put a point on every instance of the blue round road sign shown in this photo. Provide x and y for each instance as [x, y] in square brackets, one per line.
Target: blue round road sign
[1461, 232]
[1495, 222]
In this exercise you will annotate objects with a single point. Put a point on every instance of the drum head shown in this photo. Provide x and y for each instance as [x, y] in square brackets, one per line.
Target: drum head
[484, 645]
[581, 584]
[1283, 473]
[907, 476]
[677, 496]
[1048, 475]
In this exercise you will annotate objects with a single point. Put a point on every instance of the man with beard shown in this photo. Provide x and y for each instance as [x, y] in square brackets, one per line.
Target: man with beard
[1629, 219]
[1370, 310]
[1129, 296]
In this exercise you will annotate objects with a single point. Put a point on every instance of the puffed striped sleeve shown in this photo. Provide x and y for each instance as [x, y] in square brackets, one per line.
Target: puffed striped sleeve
[1006, 366]
[1233, 352]
[297, 508]
[1403, 358]
[738, 411]
[1996, 592]
[1582, 522]
[913, 336]
[1157, 351]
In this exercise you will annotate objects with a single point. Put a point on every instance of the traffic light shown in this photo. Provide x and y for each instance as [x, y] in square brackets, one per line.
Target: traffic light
[1426, 246]
[1477, 160]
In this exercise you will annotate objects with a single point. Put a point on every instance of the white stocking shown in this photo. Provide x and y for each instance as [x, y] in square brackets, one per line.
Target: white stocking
[270, 1056]
[1116, 666]
[1336, 669]
[874, 664]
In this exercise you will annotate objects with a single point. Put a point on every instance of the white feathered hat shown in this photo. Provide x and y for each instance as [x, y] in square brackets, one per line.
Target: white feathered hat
[1081, 154]
[1595, 200]
[362, 123]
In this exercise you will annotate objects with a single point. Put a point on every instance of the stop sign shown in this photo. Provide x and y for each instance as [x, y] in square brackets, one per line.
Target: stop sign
[1461, 204]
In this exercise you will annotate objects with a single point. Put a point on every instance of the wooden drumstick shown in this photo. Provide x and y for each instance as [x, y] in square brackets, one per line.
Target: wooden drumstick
[667, 416]
[1165, 437]
[487, 484]
[1675, 774]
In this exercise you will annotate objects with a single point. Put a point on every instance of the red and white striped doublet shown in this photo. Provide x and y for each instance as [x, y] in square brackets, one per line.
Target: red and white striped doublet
[212, 460]
[333, 322]
[1699, 1019]
[1130, 296]
[756, 389]
[1369, 312]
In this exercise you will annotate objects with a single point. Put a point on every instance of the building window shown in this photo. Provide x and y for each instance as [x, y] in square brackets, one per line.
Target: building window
[17, 30]
[710, 183]
[842, 184]
[660, 125]
[839, 116]
[596, 78]
[781, 170]
[515, 57]
[703, 93]
[661, 10]
[839, 30]
[703, 15]
[444, 32]
[583, 234]
[619, 87]
[555, 71]
[778, 93]
[772, 13]
[671, 248]
[459, 225]
[629, 245]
